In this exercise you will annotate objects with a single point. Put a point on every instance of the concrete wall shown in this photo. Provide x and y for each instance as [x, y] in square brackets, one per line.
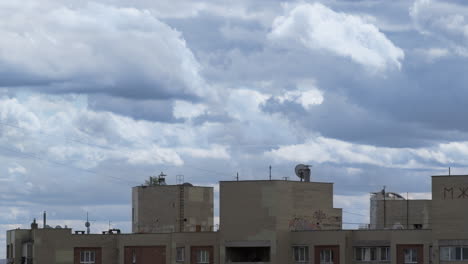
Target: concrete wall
[15, 239]
[450, 207]
[347, 240]
[156, 209]
[264, 213]
[63, 243]
[56, 246]
[400, 214]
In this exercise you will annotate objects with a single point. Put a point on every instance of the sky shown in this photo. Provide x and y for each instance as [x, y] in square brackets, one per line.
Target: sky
[96, 96]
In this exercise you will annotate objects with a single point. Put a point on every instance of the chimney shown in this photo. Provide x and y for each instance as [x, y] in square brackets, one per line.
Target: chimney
[45, 220]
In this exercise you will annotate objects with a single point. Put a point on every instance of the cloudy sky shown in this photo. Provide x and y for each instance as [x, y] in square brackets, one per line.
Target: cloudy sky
[95, 96]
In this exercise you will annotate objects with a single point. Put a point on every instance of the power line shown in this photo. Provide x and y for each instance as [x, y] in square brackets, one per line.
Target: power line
[353, 213]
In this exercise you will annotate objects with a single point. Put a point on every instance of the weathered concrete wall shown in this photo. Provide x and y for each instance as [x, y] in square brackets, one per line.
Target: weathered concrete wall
[15, 239]
[348, 239]
[156, 209]
[57, 245]
[450, 207]
[403, 214]
[266, 211]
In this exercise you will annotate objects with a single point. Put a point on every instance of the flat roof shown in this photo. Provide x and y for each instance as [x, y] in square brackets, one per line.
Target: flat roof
[277, 181]
[460, 175]
[171, 185]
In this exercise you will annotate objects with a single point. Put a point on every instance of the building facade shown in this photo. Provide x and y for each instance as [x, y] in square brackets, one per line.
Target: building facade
[263, 222]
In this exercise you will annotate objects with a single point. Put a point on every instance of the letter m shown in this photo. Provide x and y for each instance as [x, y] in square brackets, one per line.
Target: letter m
[448, 191]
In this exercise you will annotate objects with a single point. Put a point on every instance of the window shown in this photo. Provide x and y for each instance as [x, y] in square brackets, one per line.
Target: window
[301, 253]
[134, 256]
[87, 257]
[203, 256]
[411, 255]
[248, 254]
[180, 254]
[326, 256]
[365, 253]
[453, 253]
[372, 253]
[384, 254]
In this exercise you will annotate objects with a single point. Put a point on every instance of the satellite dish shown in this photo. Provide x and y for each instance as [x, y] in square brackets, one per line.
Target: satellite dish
[303, 172]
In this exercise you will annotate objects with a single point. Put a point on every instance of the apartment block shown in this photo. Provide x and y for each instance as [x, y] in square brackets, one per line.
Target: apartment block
[263, 221]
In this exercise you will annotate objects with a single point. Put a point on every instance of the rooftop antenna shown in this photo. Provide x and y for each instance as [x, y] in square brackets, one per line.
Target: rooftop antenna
[237, 177]
[162, 179]
[270, 172]
[303, 172]
[180, 179]
[449, 171]
[87, 224]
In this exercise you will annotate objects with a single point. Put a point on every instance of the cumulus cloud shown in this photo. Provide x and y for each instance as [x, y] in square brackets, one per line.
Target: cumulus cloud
[184, 109]
[17, 169]
[214, 152]
[315, 26]
[444, 21]
[325, 150]
[97, 48]
[306, 95]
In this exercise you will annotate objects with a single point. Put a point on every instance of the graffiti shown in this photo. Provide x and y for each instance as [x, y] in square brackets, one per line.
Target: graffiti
[318, 221]
[320, 216]
[455, 193]
[448, 190]
[301, 223]
[463, 193]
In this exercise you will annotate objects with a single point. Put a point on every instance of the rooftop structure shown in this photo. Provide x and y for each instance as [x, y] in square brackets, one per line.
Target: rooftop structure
[272, 221]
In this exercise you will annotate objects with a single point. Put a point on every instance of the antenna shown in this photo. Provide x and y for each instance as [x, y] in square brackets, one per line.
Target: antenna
[87, 224]
[449, 171]
[237, 177]
[303, 172]
[162, 178]
[180, 179]
[270, 172]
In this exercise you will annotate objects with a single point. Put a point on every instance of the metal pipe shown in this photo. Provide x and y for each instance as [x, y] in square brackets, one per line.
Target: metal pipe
[45, 219]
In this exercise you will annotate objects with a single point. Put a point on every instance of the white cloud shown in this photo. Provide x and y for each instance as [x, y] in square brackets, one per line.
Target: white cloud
[17, 169]
[433, 54]
[97, 47]
[444, 21]
[315, 26]
[153, 156]
[184, 109]
[306, 95]
[214, 152]
[323, 150]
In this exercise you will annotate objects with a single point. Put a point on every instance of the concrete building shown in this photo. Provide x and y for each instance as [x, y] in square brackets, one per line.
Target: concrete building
[264, 222]
[161, 208]
[391, 210]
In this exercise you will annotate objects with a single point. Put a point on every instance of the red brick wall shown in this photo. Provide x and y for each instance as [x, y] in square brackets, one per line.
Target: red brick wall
[146, 254]
[194, 250]
[401, 255]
